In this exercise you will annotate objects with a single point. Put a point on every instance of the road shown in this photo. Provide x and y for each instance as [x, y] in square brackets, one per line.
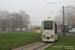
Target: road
[34, 46]
[2, 32]
[67, 34]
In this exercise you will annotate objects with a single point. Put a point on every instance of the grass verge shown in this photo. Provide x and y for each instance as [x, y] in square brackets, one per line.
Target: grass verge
[63, 43]
[11, 40]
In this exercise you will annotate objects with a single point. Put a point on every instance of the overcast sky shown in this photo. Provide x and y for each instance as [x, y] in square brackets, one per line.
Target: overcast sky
[37, 9]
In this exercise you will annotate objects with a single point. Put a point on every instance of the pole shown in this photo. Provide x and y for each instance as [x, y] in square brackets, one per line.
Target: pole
[31, 27]
[63, 23]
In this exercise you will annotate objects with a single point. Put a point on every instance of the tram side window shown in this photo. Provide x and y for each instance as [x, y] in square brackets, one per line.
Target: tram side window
[38, 28]
[55, 28]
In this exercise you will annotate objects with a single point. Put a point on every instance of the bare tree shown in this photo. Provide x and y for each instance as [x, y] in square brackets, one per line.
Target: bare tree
[59, 20]
[4, 19]
[72, 20]
[14, 21]
[24, 19]
[69, 11]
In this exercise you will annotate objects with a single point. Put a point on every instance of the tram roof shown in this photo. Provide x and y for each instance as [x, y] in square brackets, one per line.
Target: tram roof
[49, 19]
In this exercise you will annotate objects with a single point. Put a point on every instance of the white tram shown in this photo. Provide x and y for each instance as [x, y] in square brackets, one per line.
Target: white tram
[49, 30]
[37, 29]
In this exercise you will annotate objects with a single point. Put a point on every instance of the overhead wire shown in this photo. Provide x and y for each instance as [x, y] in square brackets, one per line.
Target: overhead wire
[60, 2]
[49, 7]
[56, 3]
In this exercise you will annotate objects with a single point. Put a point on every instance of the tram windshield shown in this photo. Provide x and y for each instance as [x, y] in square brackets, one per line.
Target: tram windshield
[48, 25]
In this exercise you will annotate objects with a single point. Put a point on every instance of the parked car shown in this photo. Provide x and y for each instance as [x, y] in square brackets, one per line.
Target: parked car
[72, 30]
[59, 30]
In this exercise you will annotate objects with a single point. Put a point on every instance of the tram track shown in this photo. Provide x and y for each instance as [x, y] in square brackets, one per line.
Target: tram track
[34, 46]
[40, 46]
[30, 45]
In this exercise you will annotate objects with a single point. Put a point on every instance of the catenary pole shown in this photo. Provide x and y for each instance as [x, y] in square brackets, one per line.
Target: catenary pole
[63, 23]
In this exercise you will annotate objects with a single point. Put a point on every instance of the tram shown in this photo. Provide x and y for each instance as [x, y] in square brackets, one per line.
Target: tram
[37, 29]
[49, 30]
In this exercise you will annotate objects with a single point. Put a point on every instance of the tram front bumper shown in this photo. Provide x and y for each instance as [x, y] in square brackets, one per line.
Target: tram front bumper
[48, 40]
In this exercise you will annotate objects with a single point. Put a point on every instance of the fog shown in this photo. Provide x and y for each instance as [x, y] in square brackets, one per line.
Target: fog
[37, 9]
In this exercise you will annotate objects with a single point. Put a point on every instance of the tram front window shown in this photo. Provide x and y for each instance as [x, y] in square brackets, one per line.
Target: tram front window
[48, 25]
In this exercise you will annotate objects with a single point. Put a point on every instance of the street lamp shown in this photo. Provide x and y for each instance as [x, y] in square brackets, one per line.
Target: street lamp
[31, 26]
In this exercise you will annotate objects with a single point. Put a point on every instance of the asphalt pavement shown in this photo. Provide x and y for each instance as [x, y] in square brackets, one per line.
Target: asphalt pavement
[2, 32]
[67, 34]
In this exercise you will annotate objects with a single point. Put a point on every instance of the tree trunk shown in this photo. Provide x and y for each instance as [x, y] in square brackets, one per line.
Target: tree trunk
[68, 27]
[21, 25]
[3, 28]
[13, 27]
